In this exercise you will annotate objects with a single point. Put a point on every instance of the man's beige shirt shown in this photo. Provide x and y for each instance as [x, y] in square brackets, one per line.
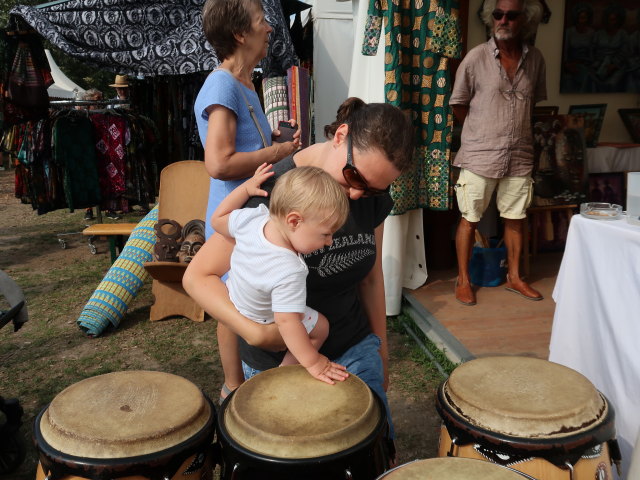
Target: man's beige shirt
[497, 138]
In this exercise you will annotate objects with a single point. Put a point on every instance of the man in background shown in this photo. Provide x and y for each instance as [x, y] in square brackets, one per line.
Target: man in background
[496, 87]
[122, 91]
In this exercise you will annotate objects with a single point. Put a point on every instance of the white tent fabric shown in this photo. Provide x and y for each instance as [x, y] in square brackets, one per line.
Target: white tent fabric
[332, 50]
[63, 86]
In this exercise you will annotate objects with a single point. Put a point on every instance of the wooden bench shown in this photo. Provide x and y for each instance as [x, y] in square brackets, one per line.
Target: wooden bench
[116, 233]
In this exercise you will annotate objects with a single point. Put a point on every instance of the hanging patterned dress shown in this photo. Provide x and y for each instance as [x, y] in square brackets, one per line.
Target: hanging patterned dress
[420, 38]
[112, 137]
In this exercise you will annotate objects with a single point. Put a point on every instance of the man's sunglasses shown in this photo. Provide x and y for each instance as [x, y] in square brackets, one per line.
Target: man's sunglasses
[511, 14]
[352, 175]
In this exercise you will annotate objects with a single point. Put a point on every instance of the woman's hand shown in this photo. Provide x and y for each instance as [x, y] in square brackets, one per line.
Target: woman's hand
[296, 135]
[284, 149]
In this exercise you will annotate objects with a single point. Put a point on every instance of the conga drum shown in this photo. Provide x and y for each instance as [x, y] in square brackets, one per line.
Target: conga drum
[127, 425]
[538, 417]
[453, 468]
[285, 424]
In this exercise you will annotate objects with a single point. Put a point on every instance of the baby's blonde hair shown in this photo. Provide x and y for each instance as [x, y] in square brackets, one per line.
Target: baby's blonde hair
[313, 193]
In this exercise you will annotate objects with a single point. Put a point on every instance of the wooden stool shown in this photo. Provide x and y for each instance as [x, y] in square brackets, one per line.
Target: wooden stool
[184, 191]
[116, 233]
[533, 215]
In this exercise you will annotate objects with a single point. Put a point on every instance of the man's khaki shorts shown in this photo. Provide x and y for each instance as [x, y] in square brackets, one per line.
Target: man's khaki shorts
[474, 192]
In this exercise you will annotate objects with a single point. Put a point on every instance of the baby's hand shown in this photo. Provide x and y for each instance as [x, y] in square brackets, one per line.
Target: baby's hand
[253, 184]
[327, 371]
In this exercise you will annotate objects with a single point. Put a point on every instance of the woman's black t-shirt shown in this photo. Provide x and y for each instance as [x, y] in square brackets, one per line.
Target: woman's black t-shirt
[334, 275]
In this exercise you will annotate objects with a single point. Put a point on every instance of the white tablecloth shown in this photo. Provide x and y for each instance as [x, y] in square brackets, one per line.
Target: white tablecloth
[596, 325]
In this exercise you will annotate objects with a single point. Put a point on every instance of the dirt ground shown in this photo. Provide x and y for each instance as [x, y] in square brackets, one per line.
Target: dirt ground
[50, 352]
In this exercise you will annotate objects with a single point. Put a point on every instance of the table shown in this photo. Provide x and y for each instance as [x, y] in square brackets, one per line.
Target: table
[115, 233]
[596, 325]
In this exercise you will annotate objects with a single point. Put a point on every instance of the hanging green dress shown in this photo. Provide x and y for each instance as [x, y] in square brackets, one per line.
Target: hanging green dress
[420, 38]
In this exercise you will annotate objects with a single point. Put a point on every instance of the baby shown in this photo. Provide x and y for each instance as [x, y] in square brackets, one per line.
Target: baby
[267, 280]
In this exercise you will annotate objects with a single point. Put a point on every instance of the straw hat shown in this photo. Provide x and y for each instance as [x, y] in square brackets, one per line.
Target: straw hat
[121, 82]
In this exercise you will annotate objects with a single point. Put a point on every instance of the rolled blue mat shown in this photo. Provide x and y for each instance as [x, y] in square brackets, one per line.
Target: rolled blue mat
[120, 285]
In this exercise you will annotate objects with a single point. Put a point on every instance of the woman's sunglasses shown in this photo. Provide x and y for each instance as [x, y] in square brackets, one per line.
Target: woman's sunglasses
[511, 14]
[352, 175]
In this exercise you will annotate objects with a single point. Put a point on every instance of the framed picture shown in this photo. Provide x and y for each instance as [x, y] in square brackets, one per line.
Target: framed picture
[600, 51]
[546, 110]
[559, 154]
[609, 187]
[593, 117]
[631, 119]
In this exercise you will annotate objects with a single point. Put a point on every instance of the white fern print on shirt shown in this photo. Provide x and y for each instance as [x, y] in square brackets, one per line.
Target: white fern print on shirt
[334, 263]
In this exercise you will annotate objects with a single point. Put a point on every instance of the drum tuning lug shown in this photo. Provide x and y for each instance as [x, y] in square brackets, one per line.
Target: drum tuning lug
[570, 468]
[347, 474]
[236, 467]
[454, 441]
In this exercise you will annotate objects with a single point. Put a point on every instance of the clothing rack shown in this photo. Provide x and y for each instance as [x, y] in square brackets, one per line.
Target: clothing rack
[86, 103]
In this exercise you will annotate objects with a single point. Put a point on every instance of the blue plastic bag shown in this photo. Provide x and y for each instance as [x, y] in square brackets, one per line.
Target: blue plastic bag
[488, 266]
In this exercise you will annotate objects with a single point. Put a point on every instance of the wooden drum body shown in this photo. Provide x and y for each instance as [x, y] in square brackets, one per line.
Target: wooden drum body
[284, 424]
[452, 469]
[535, 416]
[130, 425]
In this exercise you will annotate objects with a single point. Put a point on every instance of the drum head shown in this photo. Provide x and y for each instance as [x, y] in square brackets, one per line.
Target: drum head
[124, 414]
[451, 468]
[524, 397]
[286, 413]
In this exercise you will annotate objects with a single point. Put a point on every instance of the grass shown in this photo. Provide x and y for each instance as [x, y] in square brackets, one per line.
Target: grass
[50, 352]
[429, 373]
[425, 351]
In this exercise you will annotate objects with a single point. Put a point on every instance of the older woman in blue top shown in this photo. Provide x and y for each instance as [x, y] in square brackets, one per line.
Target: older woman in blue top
[234, 146]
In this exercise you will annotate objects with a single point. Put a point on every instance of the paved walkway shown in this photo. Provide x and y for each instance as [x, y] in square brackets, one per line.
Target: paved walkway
[502, 323]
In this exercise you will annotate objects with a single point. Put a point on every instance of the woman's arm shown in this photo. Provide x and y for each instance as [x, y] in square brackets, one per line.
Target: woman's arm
[220, 156]
[371, 291]
[202, 282]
